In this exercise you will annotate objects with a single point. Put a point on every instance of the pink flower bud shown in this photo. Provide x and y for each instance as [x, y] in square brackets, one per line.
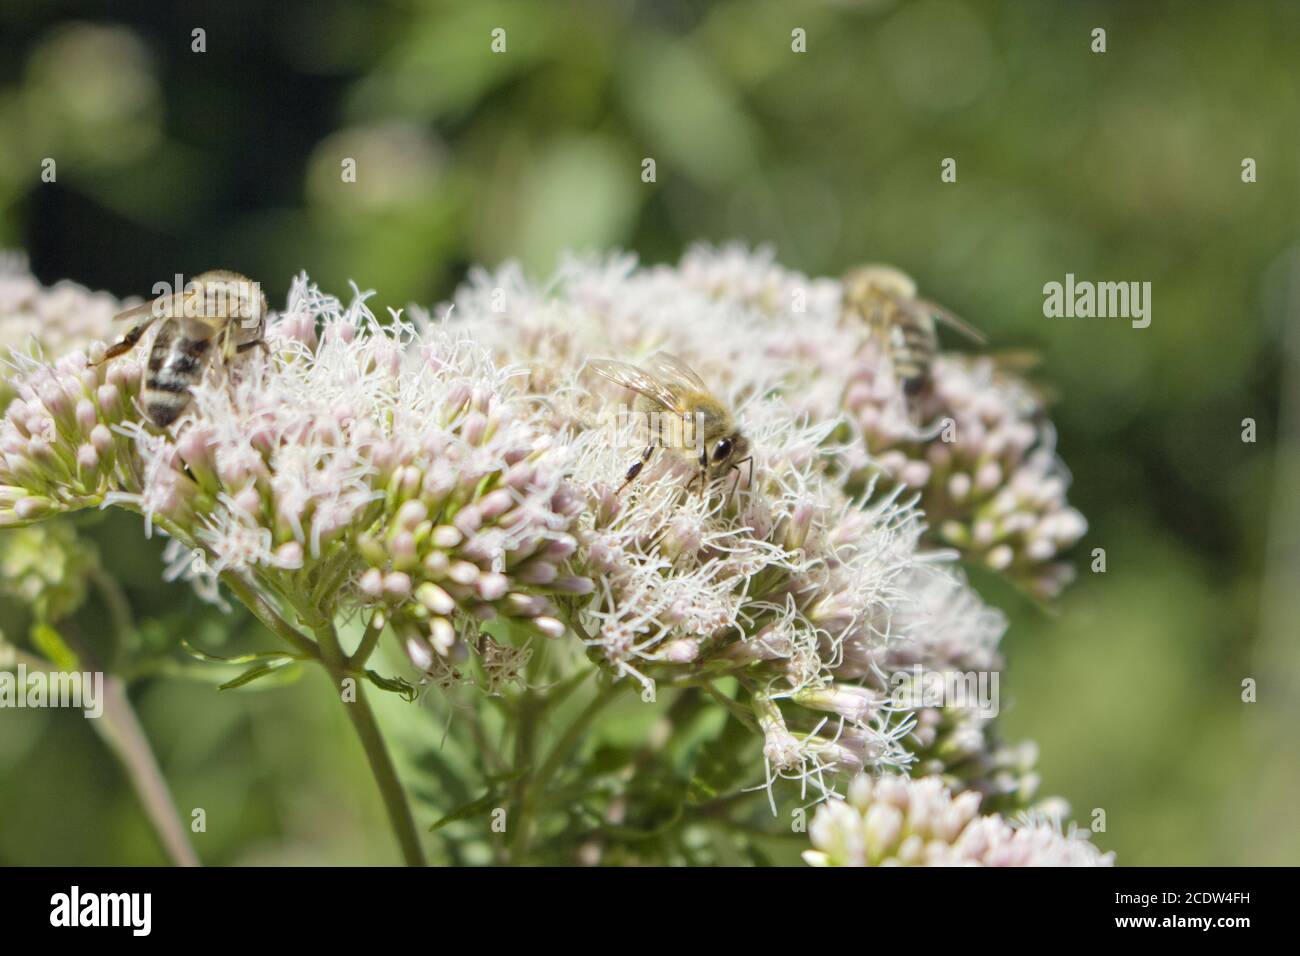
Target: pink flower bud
[397, 586]
[435, 598]
[419, 652]
[32, 507]
[492, 586]
[536, 572]
[441, 635]
[549, 626]
[86, 415]
[462, 572]
[289, 555]
[372, 583]
[446, 537]
[681, 651]
[87, 458]
[411, 513]
[495, 503]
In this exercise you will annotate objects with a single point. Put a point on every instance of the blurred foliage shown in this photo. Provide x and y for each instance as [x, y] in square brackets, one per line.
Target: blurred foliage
[1119, 166]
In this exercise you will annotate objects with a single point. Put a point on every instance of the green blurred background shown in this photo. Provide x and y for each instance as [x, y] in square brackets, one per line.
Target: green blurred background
[1117, 166]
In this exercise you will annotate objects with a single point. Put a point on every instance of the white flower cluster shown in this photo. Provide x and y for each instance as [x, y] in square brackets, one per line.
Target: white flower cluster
[452, 471]
[895, 821]
[359, 464]
[40, 321]
[805, 593]
[983, 458]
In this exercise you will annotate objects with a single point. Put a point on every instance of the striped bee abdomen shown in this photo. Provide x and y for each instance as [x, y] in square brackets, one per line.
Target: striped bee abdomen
[912, 344]
[175, 364]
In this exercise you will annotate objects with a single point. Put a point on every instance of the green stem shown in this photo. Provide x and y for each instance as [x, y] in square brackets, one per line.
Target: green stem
[120, 729]
[526, 718]
[268, 615]
[374, 628]
[573, 733]
[329, 652]
[119, 611]
[733, 707]
[122, 732]
[532, 788]
[381, 765]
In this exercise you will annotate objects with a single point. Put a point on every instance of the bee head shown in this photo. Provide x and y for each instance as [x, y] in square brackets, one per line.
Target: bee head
[871, 282]
[727, 449]
[229, 295]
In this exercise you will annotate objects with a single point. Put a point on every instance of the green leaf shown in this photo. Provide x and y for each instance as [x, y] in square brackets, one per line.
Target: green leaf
[268, 656]
[265, 663]
[259, 671]
[483, 804]
[722, 765]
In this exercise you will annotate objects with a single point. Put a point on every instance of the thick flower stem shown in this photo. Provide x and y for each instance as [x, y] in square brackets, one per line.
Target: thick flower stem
[381, 765]
[124, 736]
[120, 730]
[327, 649]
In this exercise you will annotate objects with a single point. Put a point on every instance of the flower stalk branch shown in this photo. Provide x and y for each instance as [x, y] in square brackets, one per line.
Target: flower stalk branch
[372, 741]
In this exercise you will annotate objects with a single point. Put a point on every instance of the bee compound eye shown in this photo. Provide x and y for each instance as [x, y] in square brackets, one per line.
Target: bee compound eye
[722, 450]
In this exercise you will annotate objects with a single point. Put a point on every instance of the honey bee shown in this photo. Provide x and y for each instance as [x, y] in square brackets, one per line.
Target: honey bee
[691, 422]
[885, 298]
[218, 307]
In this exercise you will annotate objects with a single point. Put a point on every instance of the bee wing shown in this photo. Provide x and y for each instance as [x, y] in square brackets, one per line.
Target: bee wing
[672, 370]
[163, 306]
[950, 320]
[1016, 361]
[639, 380]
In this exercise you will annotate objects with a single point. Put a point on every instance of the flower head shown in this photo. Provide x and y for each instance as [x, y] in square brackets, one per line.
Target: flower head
[360, 463]
[894, 821]
[443, 474]
[783, 575]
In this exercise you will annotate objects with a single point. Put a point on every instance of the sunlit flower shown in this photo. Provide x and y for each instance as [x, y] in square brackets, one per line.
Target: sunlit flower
[359, 465]
[803, 591]
[46, 322]
[983, 457]
[894, 821]
[442, 474]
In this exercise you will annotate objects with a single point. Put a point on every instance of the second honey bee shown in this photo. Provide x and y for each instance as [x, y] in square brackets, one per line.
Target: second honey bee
[218, 314]
[885, 299]
[691, 422]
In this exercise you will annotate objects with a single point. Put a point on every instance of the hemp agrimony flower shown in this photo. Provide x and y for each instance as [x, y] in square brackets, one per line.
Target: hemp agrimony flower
[894, 821]
[810, 584]
[463, 484]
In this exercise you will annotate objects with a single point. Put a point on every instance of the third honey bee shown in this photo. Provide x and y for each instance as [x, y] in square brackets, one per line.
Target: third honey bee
[670, 392]
[885, 299]
[217, 308]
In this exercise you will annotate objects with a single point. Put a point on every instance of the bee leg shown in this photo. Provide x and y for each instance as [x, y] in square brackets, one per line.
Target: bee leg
[636, 468]
[128, 341]
[736, 468]
[228, 347]
[243, 347]
[704, 473]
